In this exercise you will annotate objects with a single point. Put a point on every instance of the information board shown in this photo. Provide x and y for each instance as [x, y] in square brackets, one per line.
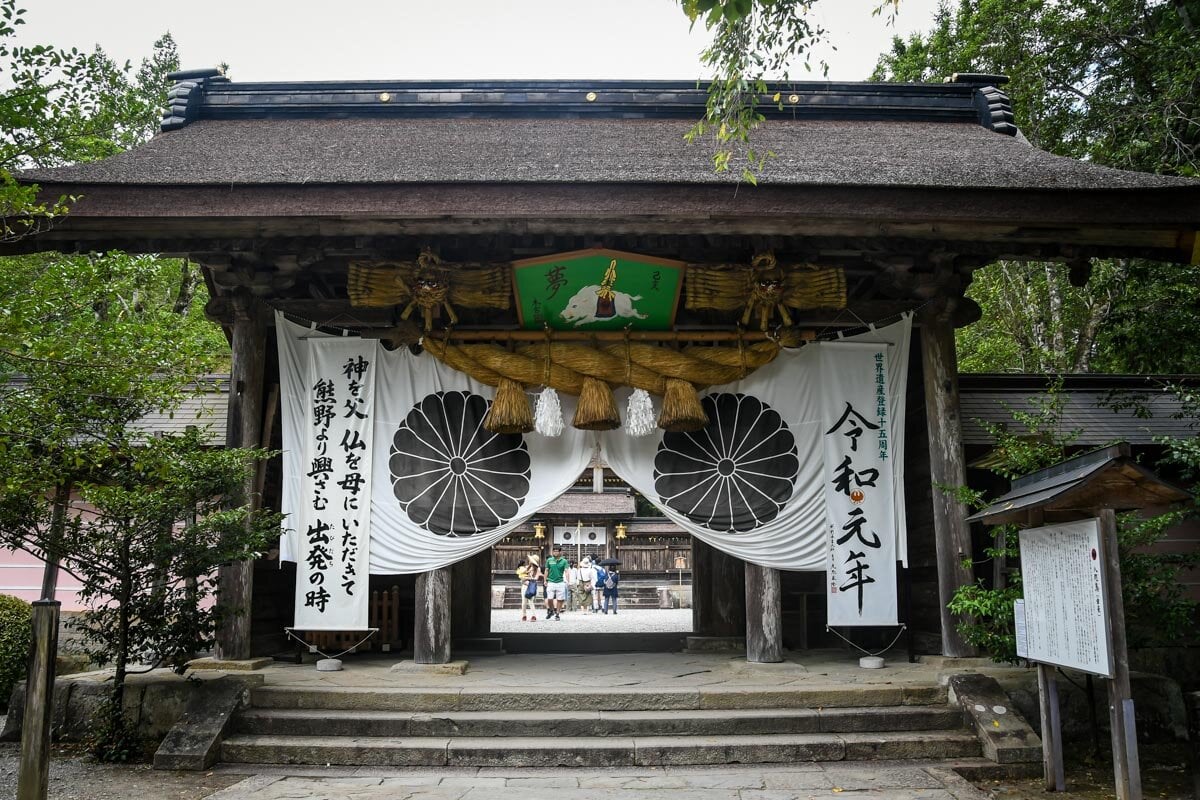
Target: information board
[1066, 608]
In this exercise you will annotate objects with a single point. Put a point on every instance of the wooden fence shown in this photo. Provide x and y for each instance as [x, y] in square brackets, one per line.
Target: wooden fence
[654, 557]
[383, 612]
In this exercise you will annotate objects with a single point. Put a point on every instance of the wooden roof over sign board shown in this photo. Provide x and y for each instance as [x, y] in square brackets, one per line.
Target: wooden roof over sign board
[873, 163]
[1104, 478]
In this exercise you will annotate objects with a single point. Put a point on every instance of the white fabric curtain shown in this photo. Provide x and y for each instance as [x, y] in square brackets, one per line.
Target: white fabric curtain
[443, 487]
[752, 482]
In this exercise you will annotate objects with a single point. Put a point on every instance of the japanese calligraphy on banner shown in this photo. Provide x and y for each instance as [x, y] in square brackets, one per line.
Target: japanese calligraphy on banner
[333, 525]
[752, 483]
[858, 481]
[442, 488]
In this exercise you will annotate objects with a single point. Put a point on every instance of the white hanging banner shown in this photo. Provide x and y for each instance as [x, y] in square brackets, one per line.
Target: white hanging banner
[752, 482]
[334, 530]
[858, 483]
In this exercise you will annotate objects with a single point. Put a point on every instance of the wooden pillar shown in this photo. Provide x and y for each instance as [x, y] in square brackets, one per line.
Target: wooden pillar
[244, 429]
[483, 594]
[764, 615]
[1126, 766]
[947, 467]
[33, 772]
[431, 626]
[718, 592]
[471, 595]
[1053, 776]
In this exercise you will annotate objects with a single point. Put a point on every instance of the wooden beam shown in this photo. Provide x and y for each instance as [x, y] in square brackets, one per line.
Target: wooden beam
[598, 208]
[599, 336]
[947, 467]
[244, 429]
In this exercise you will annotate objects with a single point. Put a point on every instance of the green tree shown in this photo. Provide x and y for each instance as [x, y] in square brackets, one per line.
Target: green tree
[89, 345]
[1157, 608]
[1114, 83]
[63, 106]
[160, 514]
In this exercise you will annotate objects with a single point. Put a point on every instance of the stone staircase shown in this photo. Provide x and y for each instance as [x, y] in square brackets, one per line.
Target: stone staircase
[631, 596]
[474, 727]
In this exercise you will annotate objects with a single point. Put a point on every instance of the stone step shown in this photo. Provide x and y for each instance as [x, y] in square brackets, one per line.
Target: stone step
[400, 724]
[600, 751]
[648, 699]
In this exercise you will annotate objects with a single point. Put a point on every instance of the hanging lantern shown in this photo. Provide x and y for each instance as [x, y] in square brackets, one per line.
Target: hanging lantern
[621, 529]
[539, 531]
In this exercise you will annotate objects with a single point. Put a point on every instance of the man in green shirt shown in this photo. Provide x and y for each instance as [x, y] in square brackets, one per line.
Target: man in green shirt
[556, 582]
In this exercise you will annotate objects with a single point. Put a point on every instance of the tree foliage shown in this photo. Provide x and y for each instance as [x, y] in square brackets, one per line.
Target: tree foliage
[1113, 82]
[754, 42]
[89, 346]
[1157, 608]
[64, 106]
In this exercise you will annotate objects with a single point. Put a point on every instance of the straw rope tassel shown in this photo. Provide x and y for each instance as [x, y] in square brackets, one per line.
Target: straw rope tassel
[510, 411]
[597, 409]
[681, 409]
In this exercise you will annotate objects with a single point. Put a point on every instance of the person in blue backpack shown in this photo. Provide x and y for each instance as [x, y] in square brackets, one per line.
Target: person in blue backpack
[599, 576]
[611, 581]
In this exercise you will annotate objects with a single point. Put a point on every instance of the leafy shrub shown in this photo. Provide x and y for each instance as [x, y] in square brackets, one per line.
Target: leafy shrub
[1157, 608]
[15, 630]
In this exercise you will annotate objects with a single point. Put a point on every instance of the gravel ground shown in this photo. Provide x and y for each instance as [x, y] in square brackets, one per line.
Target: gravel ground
[75, 777]
[634, 620]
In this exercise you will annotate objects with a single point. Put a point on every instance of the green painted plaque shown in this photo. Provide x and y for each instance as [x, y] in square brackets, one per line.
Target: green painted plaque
[597, 290]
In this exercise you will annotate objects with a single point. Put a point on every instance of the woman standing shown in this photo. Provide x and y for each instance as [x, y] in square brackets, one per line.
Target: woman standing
[529, 572]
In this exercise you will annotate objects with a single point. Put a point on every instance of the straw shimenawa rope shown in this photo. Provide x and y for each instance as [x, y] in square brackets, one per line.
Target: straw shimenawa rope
[672, 374]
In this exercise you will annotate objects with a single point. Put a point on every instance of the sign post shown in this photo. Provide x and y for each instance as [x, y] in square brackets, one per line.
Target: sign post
[1072, 616]
[1120, 699]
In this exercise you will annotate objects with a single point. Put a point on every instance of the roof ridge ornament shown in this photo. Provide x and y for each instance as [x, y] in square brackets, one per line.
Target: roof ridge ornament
[187, 95]
[995, 110]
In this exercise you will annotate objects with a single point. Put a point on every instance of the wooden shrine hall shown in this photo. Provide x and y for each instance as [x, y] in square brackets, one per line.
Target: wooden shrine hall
[405, 212]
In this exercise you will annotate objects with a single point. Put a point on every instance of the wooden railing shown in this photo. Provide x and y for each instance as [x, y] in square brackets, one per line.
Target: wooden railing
[383, 612]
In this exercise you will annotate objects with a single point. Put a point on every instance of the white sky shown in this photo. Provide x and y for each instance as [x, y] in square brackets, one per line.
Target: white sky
[296, 40]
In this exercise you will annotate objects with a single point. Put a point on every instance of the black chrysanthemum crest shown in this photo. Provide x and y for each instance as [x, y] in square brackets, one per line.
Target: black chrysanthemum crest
[453, 476]
[736, 473]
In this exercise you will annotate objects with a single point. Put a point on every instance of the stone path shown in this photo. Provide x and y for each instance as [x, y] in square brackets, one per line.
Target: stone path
[632, 620]
[784, 782]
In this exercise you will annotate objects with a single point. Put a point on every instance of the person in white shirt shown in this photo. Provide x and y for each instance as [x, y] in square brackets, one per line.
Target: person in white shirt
[572, 582]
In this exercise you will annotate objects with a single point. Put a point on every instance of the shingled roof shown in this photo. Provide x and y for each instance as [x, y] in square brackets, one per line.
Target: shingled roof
[218, 133]
[1098, 408]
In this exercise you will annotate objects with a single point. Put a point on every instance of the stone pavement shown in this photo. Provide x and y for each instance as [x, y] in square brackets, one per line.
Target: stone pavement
[629, 620]
[895, 781]
[593, 672]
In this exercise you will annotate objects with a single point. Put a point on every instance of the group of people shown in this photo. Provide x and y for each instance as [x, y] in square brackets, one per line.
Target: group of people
[569, 585]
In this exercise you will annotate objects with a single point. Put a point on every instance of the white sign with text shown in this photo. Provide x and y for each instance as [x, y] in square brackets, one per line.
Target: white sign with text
[1066, 607]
